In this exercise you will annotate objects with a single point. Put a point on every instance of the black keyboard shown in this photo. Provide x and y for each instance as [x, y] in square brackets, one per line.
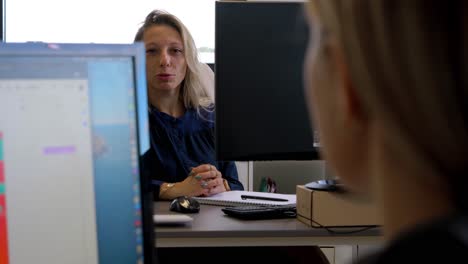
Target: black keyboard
[257, 212]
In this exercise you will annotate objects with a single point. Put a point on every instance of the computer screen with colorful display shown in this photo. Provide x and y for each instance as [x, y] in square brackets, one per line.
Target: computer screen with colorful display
[73, 122]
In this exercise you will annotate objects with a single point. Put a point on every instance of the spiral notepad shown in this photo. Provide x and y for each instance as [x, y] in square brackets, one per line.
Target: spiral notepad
[234, 198]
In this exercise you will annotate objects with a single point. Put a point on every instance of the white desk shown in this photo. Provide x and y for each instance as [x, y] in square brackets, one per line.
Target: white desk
[211, 228]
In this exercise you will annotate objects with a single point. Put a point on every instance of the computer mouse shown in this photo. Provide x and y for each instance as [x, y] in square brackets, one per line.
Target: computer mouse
[326, 185]
[185, 205]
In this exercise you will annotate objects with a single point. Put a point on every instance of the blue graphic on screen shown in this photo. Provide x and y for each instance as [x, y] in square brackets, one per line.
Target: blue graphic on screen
[116, 179]
[142, 107]
[113, 93]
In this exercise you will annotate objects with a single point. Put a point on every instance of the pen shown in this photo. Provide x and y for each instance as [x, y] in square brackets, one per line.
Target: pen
[245, 197]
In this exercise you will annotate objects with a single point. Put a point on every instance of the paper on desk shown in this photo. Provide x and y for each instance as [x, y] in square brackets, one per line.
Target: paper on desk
[233, 198]
[171, 219]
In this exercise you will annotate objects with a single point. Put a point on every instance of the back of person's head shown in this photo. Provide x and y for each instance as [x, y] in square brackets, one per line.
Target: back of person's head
[408, 63]
[197, 85]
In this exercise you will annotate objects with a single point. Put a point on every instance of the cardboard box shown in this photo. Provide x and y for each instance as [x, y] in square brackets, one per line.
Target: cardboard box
[328, 209]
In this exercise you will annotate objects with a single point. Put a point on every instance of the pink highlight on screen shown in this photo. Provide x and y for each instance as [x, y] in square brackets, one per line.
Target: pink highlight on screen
[57, 150]
[2, 174]
[3, 231]
[137, 223]
[3, 212]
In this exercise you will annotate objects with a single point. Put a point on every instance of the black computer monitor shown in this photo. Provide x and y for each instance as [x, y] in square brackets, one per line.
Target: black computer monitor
[260, 106]
[211, 65]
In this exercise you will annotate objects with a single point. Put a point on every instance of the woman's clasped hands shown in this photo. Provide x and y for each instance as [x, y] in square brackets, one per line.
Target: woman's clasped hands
[204, 180]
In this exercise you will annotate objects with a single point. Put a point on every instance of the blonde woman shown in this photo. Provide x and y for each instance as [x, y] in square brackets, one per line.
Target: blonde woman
[387, 82]
[181, 160]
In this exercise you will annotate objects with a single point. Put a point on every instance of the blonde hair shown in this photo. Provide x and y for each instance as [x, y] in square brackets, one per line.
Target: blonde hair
[196, 87]
[408, 62]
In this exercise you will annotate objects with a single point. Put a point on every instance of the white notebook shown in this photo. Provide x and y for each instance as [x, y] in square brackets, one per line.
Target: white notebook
[235, 198]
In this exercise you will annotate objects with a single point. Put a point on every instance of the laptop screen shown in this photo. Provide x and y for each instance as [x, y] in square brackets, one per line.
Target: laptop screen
[71, 131]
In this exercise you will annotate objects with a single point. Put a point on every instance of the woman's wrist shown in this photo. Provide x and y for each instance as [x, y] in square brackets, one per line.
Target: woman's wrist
[166, 192]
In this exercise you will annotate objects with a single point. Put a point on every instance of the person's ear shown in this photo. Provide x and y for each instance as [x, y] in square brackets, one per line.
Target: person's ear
[349, 100]
[353, 120]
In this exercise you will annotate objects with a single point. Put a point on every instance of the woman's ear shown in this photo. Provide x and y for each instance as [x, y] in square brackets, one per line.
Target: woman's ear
[353, 121]
[349, 100]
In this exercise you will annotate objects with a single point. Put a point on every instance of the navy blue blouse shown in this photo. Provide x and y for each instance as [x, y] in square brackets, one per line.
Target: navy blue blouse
[178, 144]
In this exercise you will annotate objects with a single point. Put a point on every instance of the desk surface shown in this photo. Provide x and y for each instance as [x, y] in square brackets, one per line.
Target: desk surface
[211, 227]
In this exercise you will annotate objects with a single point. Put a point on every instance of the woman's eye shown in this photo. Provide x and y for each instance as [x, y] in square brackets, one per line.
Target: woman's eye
[177, 50]
[150, 51]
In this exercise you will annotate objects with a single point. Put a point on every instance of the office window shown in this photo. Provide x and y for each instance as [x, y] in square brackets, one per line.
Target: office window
[104, 21]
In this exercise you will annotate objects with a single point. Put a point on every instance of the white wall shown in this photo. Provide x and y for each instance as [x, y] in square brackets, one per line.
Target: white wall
[243, 172]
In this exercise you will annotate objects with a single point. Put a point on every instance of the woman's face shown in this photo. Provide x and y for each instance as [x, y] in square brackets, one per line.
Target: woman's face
[319, 91]
[328, 100]
[165, 59]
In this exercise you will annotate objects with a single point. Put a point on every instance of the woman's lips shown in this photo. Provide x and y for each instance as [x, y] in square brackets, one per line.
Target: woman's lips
[164, 76]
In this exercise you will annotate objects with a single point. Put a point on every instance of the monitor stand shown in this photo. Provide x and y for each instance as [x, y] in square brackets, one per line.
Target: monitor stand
[329, 182]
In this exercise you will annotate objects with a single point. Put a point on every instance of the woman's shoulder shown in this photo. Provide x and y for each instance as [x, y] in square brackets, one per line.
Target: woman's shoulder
[203, 114]
[208, 111]
[441, 242]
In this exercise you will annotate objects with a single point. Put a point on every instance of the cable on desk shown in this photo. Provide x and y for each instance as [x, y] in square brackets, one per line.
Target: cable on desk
[331, 231]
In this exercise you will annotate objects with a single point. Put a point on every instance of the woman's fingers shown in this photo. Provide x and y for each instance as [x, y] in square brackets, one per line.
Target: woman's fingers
[203, 168]
[208, 178]
[211, 184]
[205, 172]
[218, 189]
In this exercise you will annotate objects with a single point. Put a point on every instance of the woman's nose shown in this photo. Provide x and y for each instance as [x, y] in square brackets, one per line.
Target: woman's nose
[165, 59]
